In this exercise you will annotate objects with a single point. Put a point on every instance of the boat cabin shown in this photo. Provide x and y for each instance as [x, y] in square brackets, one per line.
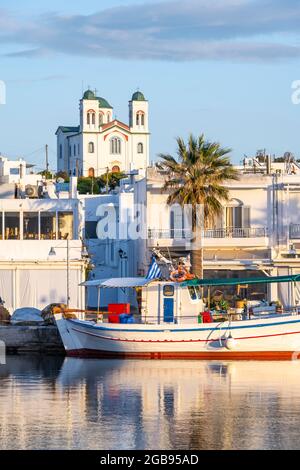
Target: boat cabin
[170, 302]
[158, 302]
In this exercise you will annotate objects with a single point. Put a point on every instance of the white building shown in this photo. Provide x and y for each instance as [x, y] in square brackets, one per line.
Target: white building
[257, 234]
[101, 142]
[17, 172]
[35, 232]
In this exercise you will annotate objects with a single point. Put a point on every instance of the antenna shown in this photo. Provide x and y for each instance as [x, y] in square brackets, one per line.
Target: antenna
[47, 160]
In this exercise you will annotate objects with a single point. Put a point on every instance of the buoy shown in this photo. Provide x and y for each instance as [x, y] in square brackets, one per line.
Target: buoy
[230, 343]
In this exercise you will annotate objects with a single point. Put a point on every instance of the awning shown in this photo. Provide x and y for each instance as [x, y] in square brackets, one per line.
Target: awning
[118, 282]
[241, 281]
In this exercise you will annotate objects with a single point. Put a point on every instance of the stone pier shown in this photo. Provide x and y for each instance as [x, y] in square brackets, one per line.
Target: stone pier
[31, 339]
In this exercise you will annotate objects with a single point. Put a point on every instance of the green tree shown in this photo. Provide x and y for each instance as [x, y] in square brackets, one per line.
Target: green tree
[111, 179]
[47, 174]
[88, 185]
[196, 178]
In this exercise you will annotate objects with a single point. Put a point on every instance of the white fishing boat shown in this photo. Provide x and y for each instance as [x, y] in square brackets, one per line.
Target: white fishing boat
[168, 325]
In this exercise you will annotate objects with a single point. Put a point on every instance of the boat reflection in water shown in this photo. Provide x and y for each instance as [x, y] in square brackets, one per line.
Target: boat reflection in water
[134, 404]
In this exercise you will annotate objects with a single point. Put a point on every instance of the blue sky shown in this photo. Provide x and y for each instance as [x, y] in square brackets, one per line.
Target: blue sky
[224, 68]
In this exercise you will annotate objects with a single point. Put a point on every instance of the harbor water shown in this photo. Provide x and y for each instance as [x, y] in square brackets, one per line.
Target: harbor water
[58, 403]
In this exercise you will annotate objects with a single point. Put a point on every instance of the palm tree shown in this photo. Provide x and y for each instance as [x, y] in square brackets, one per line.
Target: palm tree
[196, 178]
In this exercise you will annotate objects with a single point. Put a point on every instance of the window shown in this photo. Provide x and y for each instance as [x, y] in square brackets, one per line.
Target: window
[115, 146]
[65, 225]
[168, 291]
[60, 151]
[194, 292]
[14, 171]
[100, 119]
[70, 151]
[91, 117]
[91, 147]
[12, 225]
[140, 118]
[91, 229]
[91, 173]
[48, 225]
[238, 217]
[108, 117]
[74, 150]
[140, 148]
[30, 225]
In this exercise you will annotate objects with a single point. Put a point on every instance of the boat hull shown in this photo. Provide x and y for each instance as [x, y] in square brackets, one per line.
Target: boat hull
[272, 338]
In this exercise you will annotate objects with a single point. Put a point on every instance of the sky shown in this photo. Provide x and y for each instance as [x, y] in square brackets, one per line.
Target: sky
[223, 68]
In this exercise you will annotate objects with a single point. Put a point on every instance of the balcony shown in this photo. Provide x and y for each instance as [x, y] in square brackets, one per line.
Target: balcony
[230, 237]
[295, 232]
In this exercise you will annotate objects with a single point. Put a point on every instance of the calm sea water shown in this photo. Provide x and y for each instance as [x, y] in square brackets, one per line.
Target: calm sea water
[56, 403]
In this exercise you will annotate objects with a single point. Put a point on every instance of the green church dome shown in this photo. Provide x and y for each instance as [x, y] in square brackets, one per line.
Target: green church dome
[89, 95]
[103, 103]
[138, 96]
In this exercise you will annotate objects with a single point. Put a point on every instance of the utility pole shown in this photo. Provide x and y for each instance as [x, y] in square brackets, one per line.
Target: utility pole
[47, 160]
[107, 171]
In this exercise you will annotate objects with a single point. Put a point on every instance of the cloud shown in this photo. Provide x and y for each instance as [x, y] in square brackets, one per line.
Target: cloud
[247, 30]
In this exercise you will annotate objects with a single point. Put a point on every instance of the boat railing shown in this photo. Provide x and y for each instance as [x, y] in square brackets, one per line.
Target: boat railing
[102, 316]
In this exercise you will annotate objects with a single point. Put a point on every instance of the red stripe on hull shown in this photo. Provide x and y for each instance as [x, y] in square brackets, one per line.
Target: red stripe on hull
[232, 355]
[109, 338]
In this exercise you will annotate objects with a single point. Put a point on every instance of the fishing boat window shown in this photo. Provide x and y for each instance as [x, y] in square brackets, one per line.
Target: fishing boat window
[31, 225]
[65, 225]
[48, 225]
[198, 292]
[195, 293]
[168, 291]
[12, 225]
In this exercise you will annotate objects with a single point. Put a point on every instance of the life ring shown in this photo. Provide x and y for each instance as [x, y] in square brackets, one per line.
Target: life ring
[190, 276]
[178, 275]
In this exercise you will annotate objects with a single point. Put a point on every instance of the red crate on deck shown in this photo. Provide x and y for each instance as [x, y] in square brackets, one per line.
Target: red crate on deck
[114, 318]
[206, 317]
[115, 310]
[119, 308]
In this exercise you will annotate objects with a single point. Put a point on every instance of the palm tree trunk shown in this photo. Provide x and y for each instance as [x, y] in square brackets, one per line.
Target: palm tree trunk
[197, 255]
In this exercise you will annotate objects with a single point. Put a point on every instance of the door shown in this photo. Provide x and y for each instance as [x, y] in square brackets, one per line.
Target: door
[168, 310]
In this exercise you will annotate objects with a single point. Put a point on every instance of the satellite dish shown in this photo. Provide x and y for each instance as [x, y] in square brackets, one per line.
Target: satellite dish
[60, 180]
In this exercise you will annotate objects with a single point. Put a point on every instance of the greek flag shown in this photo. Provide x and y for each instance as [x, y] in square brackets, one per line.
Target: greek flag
[154, 271]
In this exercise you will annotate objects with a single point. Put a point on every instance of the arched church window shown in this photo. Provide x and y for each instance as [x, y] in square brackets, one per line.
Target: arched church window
[100, 119]
[91, 117]
[140, 118]
[108, 117]
[115, 146]
[91, 147]
[140, 147]
[91, 173]
[115, 169]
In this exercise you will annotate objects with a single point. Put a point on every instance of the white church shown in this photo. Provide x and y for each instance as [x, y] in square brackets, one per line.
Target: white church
[102, 143]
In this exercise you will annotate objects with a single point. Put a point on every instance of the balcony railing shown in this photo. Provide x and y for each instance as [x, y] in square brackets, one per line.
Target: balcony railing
[295, 231]
[179, 234]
